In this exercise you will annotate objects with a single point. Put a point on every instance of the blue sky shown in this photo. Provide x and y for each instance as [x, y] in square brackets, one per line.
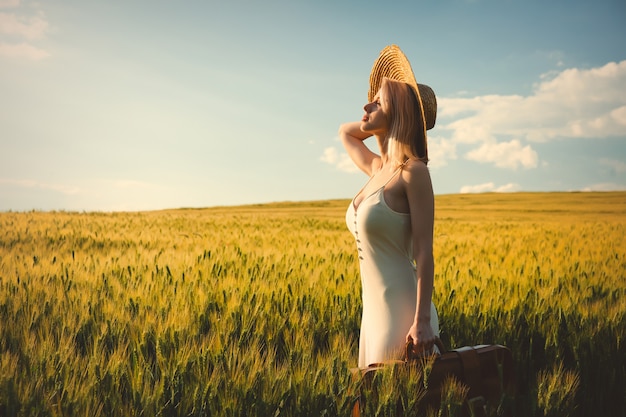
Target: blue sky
[141, 105]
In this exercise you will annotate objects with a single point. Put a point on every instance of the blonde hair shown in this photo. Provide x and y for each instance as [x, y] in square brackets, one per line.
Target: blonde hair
[406, 138]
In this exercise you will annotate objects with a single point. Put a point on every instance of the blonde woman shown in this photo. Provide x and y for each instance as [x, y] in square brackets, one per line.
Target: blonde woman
[392, 216]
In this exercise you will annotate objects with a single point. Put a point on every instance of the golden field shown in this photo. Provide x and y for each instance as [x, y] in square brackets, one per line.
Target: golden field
[255, 310]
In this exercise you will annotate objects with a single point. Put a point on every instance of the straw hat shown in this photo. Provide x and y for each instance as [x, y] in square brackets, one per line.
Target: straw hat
[393, 64]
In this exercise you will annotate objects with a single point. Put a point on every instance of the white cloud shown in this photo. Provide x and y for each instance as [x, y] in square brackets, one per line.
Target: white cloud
[440, 150]
[574, 103]
[489, 187]
[330, 155]
[17, 31]
[340, 160]
[32, 27]
[605, 186]
[619, 115]
[508, 188]
[9, 3]
[505, 154]
[479, 188]
[22, 50]
[60, 188]
[111, 185]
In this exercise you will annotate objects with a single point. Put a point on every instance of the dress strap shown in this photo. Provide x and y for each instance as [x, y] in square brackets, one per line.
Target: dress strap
[397, 170]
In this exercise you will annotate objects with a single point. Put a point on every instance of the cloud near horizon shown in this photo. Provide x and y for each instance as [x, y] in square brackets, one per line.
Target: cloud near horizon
[131, 194]
[490, 187]
[499, 130]
[60, 188]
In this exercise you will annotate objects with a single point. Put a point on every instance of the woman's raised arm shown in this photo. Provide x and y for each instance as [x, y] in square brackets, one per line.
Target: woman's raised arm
[352, 138]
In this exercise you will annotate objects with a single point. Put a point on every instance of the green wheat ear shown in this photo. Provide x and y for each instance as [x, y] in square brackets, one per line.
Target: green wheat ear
[453, 394]
[556, 391]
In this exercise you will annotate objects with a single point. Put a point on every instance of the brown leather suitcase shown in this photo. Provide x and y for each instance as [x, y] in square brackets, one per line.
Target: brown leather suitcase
[487, 370]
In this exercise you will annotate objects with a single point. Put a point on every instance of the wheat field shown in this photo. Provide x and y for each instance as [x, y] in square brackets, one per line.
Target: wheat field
[255, 310]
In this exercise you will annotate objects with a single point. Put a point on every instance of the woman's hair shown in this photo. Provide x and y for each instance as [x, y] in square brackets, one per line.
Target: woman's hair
[406, 137]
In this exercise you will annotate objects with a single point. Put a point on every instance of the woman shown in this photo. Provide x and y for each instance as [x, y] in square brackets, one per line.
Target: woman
[391, 217]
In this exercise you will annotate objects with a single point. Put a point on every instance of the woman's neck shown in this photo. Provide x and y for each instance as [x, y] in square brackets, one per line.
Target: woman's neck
[382, 145]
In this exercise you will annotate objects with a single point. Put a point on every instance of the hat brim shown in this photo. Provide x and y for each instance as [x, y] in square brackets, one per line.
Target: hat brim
[393, 64]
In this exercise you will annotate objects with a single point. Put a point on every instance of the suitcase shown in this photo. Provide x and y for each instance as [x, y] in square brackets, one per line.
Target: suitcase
[487, 370]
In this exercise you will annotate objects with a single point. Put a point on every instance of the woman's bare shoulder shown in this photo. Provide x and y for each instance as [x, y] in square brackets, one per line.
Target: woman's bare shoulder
[416, 168]
[416, 177]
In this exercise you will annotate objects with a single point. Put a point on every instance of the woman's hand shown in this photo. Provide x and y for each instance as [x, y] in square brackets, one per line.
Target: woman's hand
[421, 337]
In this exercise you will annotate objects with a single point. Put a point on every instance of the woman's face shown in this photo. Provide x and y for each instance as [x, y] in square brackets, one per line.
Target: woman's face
[375, 120]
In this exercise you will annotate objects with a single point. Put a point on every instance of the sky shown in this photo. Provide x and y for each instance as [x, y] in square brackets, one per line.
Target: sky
[155, 104]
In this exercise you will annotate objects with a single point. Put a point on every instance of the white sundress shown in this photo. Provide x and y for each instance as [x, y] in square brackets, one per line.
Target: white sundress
[388, 279]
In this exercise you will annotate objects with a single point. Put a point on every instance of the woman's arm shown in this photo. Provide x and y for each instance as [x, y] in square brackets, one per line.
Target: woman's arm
[419, 192]
[352, 138]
